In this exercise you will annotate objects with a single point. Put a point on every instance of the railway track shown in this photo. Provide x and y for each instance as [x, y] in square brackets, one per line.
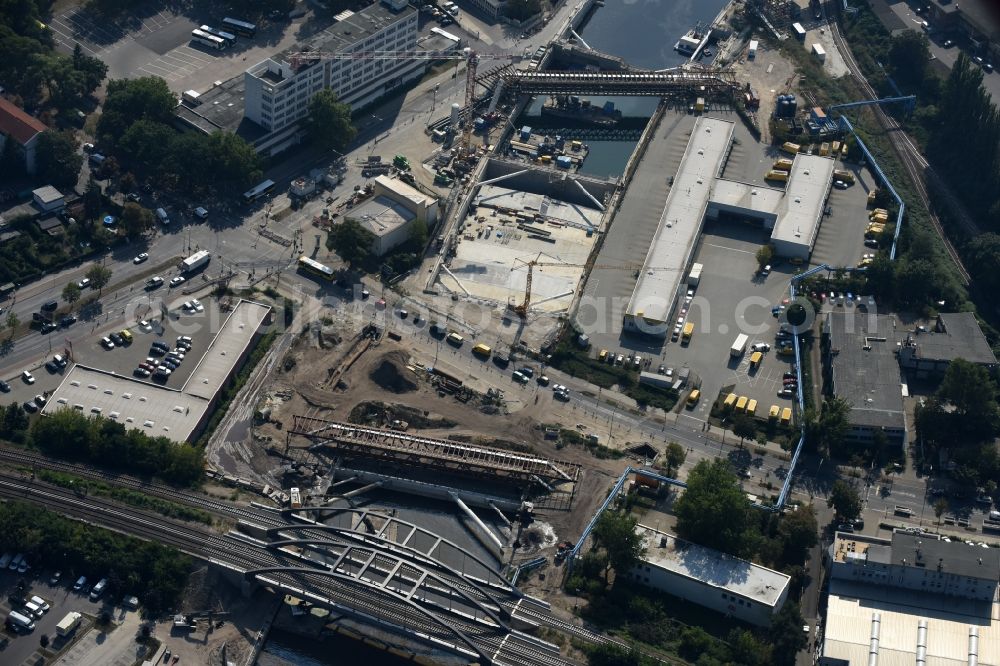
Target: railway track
[913, 162]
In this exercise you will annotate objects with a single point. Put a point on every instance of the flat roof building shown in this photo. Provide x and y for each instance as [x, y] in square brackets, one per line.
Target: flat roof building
[955, 335]
[48, 199]
[390, 222]
[709, 578]
[864, 371]
[801, 210]
[423, 206]
[177, 414]
[651, 306]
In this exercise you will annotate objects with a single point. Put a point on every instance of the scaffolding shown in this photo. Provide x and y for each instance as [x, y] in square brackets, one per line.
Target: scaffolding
[355, 441]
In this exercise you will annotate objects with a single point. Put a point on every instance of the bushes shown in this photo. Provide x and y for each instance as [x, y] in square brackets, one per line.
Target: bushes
[154, 573]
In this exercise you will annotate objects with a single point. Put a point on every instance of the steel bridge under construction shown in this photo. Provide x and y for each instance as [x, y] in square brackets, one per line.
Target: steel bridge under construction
[441, 454]
[687, 82]
[405, 579]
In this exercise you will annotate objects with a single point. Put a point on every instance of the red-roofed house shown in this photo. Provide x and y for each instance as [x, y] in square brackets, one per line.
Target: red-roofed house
[22, 128]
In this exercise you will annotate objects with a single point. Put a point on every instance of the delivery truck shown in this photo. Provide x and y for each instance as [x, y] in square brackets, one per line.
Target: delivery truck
[68, 624]
[739, 345]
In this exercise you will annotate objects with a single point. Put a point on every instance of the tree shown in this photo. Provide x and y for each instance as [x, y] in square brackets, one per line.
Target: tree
[743, 427]
[982, 256]
[833, 423]
[522, 10]
[329, 122]
[147, 143]
[93, 70]
[798, 531]
[615, 534]
[127, 183]
[609, 654]
[93, 199]
[940, 506]
[764, 255]
[675, 456]
[71, 293]
[714, 511]
[418, 234]
[99, 276]
[130, 100]
[909, 56]
[351, 241]
[56, 158]
[12, 323]
[136, 220]
[749, 650]
[845, 500]
[969, 388]
[786, 635]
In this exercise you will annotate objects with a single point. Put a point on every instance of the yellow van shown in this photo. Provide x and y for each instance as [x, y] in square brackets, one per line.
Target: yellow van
[481, 350]
[773, 412]
[730, 401]
[126, 334]
[693, 397]
[603, 356]
[841, 174]
[455, 339]
[835, 149]
[786, 416]
[688, 332]
[824, 149]
[755, 359]
[843, 151]
[751, 407]
[741, 403]
[777, 174]
[871, 196]
[784, 164]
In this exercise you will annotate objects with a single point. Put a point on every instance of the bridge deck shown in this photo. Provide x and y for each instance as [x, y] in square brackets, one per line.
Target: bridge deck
[377, 443]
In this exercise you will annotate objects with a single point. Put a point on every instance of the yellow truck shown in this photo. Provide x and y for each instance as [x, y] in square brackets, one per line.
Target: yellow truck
[603, 356]
[790, 148]
[729, 402]
[755, 359]
[786, 416]
[824, 149]
[835, 149]
[693, 397]
[783, 164]
[699, 104]
[741, 403]
[777, 174]
[687, 332]
[751, 407]
[872, 195]
[874, 230]
[879, 213]
[843, 151]
[482, 350]
[773, 412]
[844, 175]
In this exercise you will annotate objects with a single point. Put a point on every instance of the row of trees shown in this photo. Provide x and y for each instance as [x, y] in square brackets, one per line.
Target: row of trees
[152, 572]
[71, 435]
[137, 125]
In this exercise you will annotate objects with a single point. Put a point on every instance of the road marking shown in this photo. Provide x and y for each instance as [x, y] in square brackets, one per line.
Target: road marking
[731, 249]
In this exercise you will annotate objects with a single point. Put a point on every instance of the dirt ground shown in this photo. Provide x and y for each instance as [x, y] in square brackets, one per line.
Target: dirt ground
[210, 644]
[770, 74]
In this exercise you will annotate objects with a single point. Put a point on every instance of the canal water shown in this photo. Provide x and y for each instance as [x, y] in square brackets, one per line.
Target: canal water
[643, 33]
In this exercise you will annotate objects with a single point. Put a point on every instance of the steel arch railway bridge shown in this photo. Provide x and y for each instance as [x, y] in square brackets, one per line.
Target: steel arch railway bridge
[686, 82]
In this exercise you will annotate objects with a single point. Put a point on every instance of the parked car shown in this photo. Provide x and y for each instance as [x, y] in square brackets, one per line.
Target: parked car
[760, 346]
[4, 386]
[68, 320]
[27, 377]
[107, 343]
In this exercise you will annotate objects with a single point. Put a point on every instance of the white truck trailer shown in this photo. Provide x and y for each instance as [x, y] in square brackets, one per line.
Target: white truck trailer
[68, 624]
[196, 261]
[694, 277]
[739, 345]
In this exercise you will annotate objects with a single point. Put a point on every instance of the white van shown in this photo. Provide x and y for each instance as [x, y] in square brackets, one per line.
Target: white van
[98, 589]
[21, 621]
[33, 608]
[162, 216]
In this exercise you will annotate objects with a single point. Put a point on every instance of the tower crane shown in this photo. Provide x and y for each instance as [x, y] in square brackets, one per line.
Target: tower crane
[522, 309]
[472, 59]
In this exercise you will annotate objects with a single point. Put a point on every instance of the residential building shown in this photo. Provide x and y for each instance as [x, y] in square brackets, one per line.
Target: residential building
[712, 579]
[48, 199]
[23, 129]
[277, 90]
[861, 359]
[955, 335]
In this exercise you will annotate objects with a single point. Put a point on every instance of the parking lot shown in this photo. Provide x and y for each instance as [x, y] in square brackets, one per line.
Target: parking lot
[841, 238]
[61, 600]
[731, 299]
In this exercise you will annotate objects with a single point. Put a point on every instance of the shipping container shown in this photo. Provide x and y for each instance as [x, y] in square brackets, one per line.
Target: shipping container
[819, 52]
[841, 174]
[800, 32]
[791, 148]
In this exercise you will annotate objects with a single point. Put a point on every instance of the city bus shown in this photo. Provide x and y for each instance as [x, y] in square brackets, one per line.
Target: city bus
[314, 268]
[228, 37]
[257, 192]
[205, 39]
[239, 27]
